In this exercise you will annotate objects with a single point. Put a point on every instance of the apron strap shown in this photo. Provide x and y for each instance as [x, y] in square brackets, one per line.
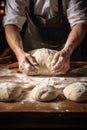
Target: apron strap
[31, 8]
[60, 9]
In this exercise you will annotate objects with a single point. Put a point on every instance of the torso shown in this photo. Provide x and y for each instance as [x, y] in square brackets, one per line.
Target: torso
[48, 37]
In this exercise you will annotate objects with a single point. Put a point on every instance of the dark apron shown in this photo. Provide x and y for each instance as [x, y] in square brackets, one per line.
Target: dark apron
[40, 32]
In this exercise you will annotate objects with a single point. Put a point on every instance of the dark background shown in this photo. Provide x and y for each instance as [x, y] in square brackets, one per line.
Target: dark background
[3, 43]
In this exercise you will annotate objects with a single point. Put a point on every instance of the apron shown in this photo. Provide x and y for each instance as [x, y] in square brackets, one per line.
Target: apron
[45, 33]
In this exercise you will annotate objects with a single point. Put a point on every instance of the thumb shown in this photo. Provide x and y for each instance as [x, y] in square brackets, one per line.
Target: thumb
[32, 60]
[55, 59]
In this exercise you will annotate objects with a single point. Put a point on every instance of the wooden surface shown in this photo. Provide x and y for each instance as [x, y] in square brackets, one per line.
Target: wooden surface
[57, 113]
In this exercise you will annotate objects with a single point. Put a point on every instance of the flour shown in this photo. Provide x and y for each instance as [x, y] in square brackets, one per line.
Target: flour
[25, 97]
[13, 76]
[5, 71]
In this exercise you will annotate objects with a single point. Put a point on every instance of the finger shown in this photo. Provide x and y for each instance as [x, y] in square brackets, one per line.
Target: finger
[66, 69]
[63, 70]
[30, 64]
[58, 64]
[59, 70]
[24, 65]
[23, 70]
[29, 67]
[30, 70]
[55, 59]
[32, 60]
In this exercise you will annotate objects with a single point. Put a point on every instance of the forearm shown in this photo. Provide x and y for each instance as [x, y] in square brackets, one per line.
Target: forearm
[14, 39]
[75, 37]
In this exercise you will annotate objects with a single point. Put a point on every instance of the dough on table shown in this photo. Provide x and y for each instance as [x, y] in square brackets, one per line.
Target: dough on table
[44, 92]
[43, 57]
[9, 91]
[76, 91]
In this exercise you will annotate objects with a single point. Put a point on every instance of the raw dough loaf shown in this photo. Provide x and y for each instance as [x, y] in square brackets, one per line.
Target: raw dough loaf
[76, 91]
[43, 57]
[9, 91]
[43, 92]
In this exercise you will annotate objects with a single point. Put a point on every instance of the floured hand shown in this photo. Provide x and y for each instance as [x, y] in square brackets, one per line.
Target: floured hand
[27, 64]
[61, 62]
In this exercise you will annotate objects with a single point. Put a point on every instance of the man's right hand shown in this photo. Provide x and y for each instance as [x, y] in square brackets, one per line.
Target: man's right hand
[27, 64]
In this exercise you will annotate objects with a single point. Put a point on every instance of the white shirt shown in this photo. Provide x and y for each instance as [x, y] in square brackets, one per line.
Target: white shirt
[75, 10]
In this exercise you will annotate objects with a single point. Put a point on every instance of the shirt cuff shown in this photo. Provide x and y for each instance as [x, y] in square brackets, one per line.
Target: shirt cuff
[15, 20]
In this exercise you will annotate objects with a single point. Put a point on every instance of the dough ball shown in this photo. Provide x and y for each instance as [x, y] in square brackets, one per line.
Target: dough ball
[76, 91]
[9, 91]
[43, 57]
[43, 92]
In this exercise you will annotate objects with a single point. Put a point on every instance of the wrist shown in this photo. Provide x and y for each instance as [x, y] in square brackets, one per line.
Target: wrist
[19, 53]
[68, 50]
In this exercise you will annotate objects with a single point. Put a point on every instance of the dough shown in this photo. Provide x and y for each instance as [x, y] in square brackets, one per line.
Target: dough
[9, 91]
[76, 91]
[43, 92]
[43, 57]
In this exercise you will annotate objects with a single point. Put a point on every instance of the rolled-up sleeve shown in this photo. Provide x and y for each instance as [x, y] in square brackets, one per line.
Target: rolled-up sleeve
[77, 12]
[15, 13]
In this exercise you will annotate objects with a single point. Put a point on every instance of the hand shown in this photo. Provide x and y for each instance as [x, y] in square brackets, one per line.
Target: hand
[27, 64]
[61, 62]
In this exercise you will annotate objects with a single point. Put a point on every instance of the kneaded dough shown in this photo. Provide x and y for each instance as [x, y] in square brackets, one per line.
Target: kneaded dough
[43, 92]
[9, 91]
[76, 91]
[43, 57]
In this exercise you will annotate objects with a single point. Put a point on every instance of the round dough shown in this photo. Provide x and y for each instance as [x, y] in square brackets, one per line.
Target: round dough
[43, 57]
[9, 91]
[43, 92]
[76, 91]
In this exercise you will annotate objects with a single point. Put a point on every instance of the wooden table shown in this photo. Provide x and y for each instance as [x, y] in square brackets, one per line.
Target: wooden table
[59, 113]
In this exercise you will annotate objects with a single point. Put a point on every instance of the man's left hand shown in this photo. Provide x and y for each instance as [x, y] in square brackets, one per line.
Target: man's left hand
[61, 62]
